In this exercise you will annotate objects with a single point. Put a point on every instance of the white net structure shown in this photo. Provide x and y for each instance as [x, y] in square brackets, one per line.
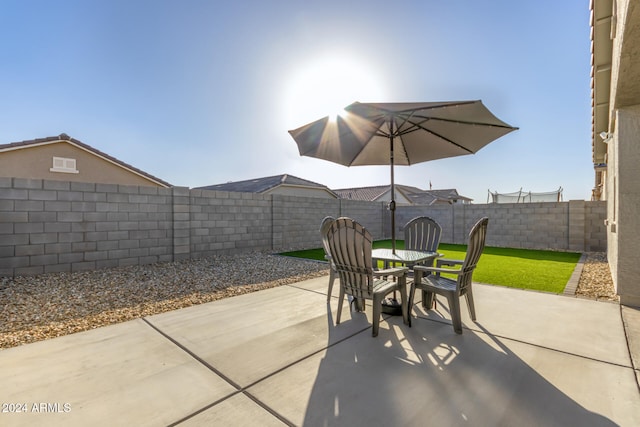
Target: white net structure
[524, 197]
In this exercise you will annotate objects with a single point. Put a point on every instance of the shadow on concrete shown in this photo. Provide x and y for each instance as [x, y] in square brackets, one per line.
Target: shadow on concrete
[428, 375]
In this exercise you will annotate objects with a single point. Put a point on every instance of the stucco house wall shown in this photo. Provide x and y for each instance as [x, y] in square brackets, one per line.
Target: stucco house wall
[623, 217]
[35, 159]
[616, 142]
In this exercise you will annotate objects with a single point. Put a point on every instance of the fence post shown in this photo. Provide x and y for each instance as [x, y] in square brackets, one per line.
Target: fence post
[181, 223]
[576, 225]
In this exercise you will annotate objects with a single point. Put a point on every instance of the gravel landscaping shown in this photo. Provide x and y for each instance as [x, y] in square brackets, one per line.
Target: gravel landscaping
[34, 308]
[595, 281]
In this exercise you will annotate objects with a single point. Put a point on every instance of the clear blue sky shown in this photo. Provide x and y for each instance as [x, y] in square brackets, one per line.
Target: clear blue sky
[203, 92]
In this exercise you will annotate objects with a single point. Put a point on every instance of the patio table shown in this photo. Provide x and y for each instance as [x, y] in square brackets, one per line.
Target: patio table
[406, 257]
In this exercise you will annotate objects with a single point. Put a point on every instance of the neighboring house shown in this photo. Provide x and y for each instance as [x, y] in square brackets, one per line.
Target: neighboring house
[62, 158]
[288, 185]
[404, 195]
[615, 99]
[450, 196]
[379, 193]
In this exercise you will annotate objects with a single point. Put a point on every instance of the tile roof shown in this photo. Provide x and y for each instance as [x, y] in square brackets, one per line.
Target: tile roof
[424, 198]
[260, 185]
[373, 193]
[362, 193]
[417, 195]
[63, 137]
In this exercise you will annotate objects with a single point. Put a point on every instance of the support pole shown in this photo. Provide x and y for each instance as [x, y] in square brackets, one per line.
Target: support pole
[392, 205]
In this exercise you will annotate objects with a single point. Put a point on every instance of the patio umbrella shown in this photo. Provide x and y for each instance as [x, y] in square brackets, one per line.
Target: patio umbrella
[400, 134]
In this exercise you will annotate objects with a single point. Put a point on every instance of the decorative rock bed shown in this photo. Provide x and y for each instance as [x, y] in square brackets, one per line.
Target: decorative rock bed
[34, 308]
[595, 280]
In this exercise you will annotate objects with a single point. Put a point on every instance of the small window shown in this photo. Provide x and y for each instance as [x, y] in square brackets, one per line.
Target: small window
[64, 165]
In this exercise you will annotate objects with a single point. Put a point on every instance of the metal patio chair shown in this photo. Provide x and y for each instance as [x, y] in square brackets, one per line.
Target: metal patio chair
[430, 281]
[350, 246]
[324, 227]
[422, 234]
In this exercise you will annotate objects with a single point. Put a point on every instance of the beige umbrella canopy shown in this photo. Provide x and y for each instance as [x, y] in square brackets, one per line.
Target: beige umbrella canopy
[400, 134]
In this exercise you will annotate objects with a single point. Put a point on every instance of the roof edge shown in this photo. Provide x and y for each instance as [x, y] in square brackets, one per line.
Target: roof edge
[63, 137]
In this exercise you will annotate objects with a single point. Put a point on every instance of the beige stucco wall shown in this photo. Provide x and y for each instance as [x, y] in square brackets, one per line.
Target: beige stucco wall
[611, 221]
[624, 206]
[35, 162]
[622, 185]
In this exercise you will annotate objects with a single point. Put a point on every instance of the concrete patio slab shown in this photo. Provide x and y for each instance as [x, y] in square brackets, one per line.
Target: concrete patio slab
[276, 357]
[247, 338]
[234, 411]
[582, 327]
[125, 374]
[631, 318]
[427, 375]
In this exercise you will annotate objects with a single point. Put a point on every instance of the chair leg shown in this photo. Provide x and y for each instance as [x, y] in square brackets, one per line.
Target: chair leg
[454, 309]
[357, 303]
[377, 312]
[340, 302]
[411, 296]
[332, 278]
[470, 304]
[405, 303]
[428, 299]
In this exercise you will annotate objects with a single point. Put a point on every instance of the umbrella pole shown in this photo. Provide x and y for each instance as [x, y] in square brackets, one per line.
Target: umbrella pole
[392, 205]
[391, 305]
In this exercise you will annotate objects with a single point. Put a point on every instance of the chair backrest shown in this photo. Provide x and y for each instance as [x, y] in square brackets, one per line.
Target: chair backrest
[324, 227]
[350, 246]
[422, 234]
[475, 246]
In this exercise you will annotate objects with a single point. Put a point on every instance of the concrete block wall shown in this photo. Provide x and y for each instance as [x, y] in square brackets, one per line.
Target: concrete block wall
[442, 214]
[224, 222]
[374, 216]
[296, 220]
[49, 226]
[576, 225]
[181, 210]
[595, 235]
[531, 225]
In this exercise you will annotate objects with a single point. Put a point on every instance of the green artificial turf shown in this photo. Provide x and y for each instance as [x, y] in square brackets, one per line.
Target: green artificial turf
[547, 271]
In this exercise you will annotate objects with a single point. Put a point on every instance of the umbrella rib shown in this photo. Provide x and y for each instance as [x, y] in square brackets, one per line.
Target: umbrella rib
[417, 126]
[462, 122]
[399, 135]
[393, 118]
[444, 138]
[422, 107]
